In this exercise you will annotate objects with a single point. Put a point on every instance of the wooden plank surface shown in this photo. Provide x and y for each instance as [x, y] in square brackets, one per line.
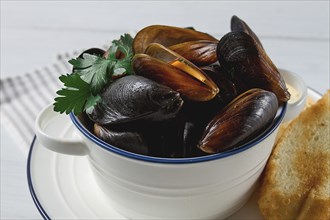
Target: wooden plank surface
[295, 35]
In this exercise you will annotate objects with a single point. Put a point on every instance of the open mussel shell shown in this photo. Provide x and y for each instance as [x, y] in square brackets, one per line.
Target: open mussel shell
[203, 112]
[126, 140]
[239, 54]
[240, 121]
[168, 68]
[132, 98]
[200, 113]
[167, 36]
[200, 53]
[237, 24]
[174, 59]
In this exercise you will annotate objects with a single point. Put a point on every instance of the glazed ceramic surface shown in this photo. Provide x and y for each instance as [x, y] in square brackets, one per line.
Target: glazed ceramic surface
[64, 186]
[208, 187]
[143, 187]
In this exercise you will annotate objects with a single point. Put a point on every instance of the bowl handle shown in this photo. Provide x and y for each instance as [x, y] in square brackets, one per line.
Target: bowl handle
[71, 146]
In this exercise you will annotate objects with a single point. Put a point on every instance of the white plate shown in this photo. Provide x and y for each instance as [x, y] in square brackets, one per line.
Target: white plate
[63, 187]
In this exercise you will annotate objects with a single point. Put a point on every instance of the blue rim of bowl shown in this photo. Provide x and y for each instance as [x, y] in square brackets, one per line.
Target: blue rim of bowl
[108, 147]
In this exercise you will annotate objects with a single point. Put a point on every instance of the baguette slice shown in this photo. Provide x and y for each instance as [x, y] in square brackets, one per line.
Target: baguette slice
[296, 181]
[284, 125]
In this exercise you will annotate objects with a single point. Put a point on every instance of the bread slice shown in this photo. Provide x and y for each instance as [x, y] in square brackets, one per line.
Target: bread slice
[284, 125]
[296, 181]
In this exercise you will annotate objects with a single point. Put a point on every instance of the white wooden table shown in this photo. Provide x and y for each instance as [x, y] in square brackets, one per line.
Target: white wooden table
[295, 35]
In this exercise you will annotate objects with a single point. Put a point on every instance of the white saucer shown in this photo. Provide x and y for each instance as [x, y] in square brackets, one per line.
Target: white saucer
[63, 187]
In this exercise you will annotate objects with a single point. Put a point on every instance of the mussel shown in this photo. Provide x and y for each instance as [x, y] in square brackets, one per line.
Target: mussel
[240, 55]
[132, 98]
[200, 53]
[228, 87]
[167, 36]
[157, 139]
[175, 138]
[237, 24]
[169, 68]
[192, 94]
[164, 138]
[202, 112]
[240, 121]
[127, 140]
[192, 132]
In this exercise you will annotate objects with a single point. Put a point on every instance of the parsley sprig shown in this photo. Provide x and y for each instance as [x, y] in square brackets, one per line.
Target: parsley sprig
[77, 95]
[91, 73]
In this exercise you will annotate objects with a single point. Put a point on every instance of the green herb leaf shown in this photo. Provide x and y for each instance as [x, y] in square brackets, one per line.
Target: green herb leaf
[81, 63]
[94, 70]
[91, 74]
[124, 45]
[76, 96]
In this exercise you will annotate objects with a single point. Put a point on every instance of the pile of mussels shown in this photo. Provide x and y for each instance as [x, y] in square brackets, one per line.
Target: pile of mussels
[192, 94]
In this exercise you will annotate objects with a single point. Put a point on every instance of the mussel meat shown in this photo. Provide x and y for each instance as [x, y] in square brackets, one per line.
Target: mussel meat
[239, 54]
[167, 36]
[169, 68]
[133, 98]
[240, 121]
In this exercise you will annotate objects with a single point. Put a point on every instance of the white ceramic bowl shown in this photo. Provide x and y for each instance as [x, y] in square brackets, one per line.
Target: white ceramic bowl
[144, 187]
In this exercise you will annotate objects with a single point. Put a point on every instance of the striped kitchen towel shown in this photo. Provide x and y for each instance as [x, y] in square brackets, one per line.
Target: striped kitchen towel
[22, 98]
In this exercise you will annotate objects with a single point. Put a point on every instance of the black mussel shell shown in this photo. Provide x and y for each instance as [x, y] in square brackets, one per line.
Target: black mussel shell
[192, 132]
[203, 112]
[240, 121]
[240, 55]
[175, 138]
[228, 87]
[135, 98]
[237, 24]
[126, 140]
[163, 139]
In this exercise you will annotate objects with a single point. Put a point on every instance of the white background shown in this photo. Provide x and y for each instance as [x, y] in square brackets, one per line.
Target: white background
[295, 35]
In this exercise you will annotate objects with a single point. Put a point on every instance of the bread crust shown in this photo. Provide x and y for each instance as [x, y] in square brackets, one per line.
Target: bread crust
[295, 182]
